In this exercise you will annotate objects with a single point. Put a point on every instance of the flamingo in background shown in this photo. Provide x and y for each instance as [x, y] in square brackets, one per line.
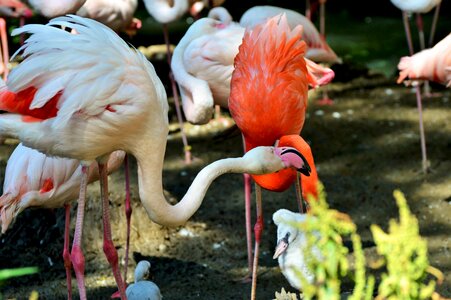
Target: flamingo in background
[431, 64]
[143, 289]
[418, 6]
[55, 8]
[202, 64]
[318, 49]
[10, 9]
[268, 100]
[116, 14]
[87, 110]
[33, 179]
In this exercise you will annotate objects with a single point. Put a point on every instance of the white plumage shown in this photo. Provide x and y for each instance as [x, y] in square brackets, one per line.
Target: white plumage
[416, 6]
[55, 8]
[290, 247]
[143, 289]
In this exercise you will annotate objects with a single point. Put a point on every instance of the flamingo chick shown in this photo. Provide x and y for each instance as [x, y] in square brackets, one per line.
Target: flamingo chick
[432, 64]
[143, 289]
[290, 249]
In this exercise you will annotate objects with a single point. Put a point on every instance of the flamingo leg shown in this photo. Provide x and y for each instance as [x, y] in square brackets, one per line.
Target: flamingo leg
[258, 229]
[418, 96]
[434, 25]
[108, 246]
[420, 26]
[308, 11]
[66, 254]
[128, 215]
[128, 212]
[76, 255]
[322, 18]
[178, 110]
[299, 197]
[325, 100]
[247, 206]
[5, 51]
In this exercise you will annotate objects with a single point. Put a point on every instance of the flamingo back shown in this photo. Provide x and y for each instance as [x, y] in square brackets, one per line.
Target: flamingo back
[268, 96]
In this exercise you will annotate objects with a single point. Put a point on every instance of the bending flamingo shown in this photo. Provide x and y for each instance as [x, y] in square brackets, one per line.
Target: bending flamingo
[268, 99]
[202, 64]
[68, 99]
[33, 179]
[431, 64]
[418, 6]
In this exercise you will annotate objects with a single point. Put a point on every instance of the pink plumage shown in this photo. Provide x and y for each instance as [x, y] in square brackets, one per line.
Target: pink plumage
[430, 64]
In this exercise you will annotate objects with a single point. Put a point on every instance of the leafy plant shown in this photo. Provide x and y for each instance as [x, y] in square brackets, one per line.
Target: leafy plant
[403, 252]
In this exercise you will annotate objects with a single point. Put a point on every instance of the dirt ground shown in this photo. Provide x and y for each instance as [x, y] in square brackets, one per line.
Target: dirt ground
[365, 145]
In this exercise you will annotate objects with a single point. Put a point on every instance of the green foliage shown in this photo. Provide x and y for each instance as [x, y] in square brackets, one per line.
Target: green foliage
[403, 251]
[10, 273]
[405, 256]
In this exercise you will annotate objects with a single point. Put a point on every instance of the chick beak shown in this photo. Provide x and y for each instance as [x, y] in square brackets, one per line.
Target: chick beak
[281, 247]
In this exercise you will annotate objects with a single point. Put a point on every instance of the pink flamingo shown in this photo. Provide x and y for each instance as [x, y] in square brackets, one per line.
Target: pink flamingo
[202, 64]
[418, 6]
[318, 49]
[431, 64]
[55, 8]
[10, 9]
[33, 179]
[117, 14]
[68, 99]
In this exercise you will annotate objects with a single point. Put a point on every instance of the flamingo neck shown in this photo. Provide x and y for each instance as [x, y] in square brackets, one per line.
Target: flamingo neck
[150, 167]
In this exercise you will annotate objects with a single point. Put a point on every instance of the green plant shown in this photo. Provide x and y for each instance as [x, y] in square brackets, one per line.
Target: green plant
[10, 273]
[404, 253]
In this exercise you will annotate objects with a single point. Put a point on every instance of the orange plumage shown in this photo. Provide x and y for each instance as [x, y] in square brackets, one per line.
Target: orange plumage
[268, 96]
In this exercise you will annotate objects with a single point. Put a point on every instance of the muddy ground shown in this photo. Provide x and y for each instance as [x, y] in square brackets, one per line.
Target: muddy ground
[365, 145]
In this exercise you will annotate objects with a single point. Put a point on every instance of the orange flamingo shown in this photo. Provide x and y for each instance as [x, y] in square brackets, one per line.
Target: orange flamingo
[268, 99]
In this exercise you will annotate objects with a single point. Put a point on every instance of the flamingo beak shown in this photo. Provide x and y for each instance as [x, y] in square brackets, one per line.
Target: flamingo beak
[294, 159]
[281, 247]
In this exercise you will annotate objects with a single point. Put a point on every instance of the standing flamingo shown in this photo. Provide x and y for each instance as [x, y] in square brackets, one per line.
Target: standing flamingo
[431, 64]
[268, 99]
[10, 9]
[418, 6]
[33, 179]
[88, 109]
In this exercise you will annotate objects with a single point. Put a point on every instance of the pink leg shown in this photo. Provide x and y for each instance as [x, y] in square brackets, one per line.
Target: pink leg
[418, 95]
[247, 206]
[5, 51]
[178, 110]
[322, 18]
[128, 215]
[22, 36]
[258, 229]
[76, 255]
[66, 254]
[434, 25]
[108, 246]
[308, 11]
[325, 100]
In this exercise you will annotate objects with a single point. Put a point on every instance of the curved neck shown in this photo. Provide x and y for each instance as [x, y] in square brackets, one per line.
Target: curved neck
[163, 12]
[150, 167]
